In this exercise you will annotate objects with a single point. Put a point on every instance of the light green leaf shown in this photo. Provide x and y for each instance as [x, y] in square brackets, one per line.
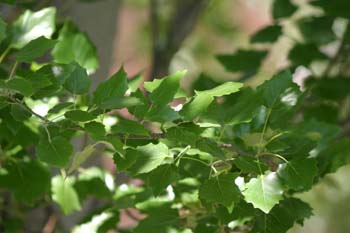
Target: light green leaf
[298, 174]
[56, 151]
[200, 102]
[167, 88]
[220, 189]
[148, 157]
[77, 80]
[161, 177]
[75, 46]
[64, 194]
[79, 115]
[264, 192]
[34, 49]
[80, 157]
[111, 90]
[32, 25]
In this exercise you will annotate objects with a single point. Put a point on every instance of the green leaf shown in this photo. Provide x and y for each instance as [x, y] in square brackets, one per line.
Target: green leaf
[305, 54]
[75, 46]
[334, 156]
[272, 89]
[20, 85]
[268, 34]
[34, 49]
[95, 129]
[3, 27]
[19, 113]
[112, 89]
[148, 157]
[335, 88]
[220, 189]
[264, 192]
[32, 25]
[210, 146]
[283, 9]
[200, 102]
[298, 174]
[249, 165]
[247, 61]
[317, 30]
[80, 157]
[64, 194]
[124, 161]
[56, 151]
[79, 115]
[167, 89]
[282, 217]
[161, 177]
[125, 126]
[77, 80]
[27, 179]
[336, 8]
[160, 219]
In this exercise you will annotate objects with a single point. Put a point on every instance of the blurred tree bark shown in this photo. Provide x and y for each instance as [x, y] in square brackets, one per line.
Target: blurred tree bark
[166, 43]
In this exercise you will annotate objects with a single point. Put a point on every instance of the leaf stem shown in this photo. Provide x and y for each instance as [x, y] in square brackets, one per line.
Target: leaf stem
[194, 159]
[3, 55]
[275, 155]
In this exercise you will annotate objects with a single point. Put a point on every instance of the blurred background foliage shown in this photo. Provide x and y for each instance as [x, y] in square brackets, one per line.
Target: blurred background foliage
[123, 32]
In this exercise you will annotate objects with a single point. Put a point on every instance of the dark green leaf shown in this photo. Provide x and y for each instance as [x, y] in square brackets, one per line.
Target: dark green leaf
[272, 89]
[283, 9]
[56, 151]
[79, 115]
[305, 54]
[27, 179]
[19, 113]
[34, 49]
[249, 165]
[247, 61]
[3, 27]
[268, 34]
[317, 30]
[220, 189]
[334, 156]
[337, 8]
[77, 81]
[125, 126]
[168, 174]
[112, 89]
[20, 85]
[167, 89]
[298, 174]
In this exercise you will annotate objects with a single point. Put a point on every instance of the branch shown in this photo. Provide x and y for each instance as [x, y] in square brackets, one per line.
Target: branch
[157, 136]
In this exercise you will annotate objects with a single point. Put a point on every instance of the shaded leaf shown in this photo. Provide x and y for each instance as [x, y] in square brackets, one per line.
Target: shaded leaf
[161, 177]
[220, 189]
[34, 49]
[56, 151]
[298, 174]
[268, 34]
[79, 115]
